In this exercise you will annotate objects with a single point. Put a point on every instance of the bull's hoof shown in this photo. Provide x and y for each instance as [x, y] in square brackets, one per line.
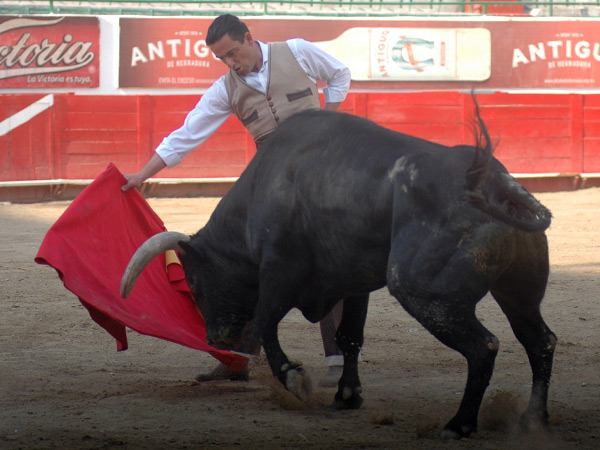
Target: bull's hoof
[348, 398]
[297, 381]
[450, 433]
[533, 421]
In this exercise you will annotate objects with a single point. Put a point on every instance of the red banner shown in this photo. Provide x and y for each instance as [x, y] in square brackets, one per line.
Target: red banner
[49, 52]
[382, 54]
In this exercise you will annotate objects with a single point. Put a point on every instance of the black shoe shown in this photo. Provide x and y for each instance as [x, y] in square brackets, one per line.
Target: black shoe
[222, 372]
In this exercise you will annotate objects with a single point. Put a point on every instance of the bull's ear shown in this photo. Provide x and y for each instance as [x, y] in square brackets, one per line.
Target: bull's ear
[190, 251]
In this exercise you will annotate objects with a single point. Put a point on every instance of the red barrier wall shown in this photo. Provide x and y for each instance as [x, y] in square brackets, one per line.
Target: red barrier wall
[77, 136]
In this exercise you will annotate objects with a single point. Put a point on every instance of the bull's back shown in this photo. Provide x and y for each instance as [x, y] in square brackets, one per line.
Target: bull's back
[342, 172]
[337, 156]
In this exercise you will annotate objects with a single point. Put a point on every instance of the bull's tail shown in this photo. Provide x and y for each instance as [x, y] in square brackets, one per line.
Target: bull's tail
[505, 199]
[483, 152]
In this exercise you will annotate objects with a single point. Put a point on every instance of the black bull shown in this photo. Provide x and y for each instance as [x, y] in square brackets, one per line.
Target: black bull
[334, 207]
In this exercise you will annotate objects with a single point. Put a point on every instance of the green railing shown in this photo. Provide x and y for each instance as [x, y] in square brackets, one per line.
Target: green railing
[304, 7]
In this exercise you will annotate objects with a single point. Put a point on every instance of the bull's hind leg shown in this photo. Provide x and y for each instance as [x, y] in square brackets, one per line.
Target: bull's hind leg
[349, 338]
[439, 282]
[456, 326]
[539, 342]
[519, 293]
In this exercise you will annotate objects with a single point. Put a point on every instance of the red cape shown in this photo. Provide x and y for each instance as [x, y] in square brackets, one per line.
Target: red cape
[90, 246]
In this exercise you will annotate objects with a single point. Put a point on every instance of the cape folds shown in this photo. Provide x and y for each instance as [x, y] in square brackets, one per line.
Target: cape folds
[90, 246]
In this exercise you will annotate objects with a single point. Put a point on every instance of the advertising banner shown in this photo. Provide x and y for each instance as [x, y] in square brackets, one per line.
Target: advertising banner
[167, 53]
[382, 54]
[49, 52]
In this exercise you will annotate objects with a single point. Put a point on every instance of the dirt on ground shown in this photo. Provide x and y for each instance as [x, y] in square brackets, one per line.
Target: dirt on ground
[64, 385]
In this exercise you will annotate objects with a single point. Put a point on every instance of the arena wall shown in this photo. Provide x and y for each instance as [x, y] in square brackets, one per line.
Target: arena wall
[56, 136]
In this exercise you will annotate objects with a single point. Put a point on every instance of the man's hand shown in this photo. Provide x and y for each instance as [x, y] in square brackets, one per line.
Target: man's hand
[331, 106]
[133, 180]
[154, 165]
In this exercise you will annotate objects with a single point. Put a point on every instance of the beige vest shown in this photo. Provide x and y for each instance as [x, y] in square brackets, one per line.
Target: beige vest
[289, 90]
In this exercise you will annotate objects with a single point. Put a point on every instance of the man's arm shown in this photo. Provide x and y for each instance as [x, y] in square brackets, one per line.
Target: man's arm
[210, 113]
[320, 65]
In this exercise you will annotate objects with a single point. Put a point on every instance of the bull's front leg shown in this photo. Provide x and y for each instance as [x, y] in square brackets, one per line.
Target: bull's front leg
[271, 309]
[291, 374]
[349, 338]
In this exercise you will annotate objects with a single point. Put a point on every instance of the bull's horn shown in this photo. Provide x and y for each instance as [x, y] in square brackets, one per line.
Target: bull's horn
[154, 246]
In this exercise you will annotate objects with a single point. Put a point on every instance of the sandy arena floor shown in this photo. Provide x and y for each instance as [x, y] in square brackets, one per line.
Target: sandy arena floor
[63, 385]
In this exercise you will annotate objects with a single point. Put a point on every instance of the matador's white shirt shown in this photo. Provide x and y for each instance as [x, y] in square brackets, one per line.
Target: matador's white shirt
[214, 107]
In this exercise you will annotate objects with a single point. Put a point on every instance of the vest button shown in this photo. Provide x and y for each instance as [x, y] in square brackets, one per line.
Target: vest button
[273, 110]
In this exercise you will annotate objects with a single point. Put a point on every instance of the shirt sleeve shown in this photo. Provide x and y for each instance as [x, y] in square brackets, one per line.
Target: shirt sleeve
[320, 65]
[208, 115]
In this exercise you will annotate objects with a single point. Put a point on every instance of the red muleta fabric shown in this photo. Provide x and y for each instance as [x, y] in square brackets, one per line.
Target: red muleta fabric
[90, 246]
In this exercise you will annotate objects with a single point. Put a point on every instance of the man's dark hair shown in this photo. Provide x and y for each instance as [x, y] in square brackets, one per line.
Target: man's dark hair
[226, 24]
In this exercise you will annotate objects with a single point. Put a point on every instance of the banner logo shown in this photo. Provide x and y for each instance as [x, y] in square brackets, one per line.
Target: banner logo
[47, 52]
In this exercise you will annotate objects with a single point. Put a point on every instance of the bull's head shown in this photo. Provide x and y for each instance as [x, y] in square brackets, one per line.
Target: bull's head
[225, 313]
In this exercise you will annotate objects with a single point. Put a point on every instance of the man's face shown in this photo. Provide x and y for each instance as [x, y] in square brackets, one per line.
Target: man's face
[242, 57]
